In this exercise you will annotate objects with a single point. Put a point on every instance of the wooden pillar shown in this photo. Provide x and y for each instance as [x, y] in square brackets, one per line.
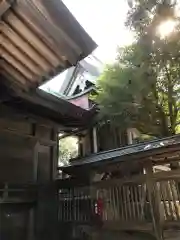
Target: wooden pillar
[47, 212]
[31, 225]
[95, 147]
[54, 154]
[35, 162]
[80, 146]
[129, 136]
[154, 201]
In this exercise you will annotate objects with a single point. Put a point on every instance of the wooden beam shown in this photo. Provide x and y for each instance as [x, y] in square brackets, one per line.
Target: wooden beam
[123, 226]
[53, 103]
[4, 6]
[28, 137]
[119, 182]
[153, 197]
[13, 114]
[142, 178]
[166, 175]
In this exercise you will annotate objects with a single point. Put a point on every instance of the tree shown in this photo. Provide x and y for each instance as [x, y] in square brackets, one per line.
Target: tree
[68, 149]
[141, 89]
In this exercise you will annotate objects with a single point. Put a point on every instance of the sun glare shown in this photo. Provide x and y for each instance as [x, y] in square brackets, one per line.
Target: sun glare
[166, 28]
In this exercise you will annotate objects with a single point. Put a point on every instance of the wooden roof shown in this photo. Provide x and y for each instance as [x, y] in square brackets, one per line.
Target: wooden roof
[158, 151]
[53, 108]
[44, 105]
[38, 40]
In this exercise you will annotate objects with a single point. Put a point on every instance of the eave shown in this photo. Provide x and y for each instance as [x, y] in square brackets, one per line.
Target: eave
[157, 151]
[38, 40]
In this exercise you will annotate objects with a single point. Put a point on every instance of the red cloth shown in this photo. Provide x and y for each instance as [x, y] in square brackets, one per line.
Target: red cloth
[100, 207]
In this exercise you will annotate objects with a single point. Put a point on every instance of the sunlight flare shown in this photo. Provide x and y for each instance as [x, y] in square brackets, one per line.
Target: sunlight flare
[166, 28]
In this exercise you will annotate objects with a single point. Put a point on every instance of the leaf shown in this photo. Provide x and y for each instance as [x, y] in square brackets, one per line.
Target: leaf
[142, 88]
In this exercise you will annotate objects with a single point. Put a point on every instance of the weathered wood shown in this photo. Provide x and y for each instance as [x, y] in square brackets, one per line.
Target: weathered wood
[55, 153]
[137, 202]
[177, 188]
[31, 233]
[132, 226]
[154, 202]
[111, 204]
[125, 202]
[35, 162]
[133, 202]
[161, 189]
[119, 182]
[46, 212]
[128, 203]
[169, 199]
[22, 137]
[167, 175]
[4, 6]
[117, 201]
[174, 199]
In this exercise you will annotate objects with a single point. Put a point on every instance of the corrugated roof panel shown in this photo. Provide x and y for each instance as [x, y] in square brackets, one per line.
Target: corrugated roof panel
[119, 154]
[38, 40]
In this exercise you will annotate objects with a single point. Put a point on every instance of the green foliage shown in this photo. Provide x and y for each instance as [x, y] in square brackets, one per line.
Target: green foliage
[141, 89]
[68, 149]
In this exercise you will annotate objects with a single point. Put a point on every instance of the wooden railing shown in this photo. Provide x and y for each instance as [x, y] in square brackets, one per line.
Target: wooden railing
[119, 200]
[75, 205]
[123, 203]
[169, 194]
[146, 202]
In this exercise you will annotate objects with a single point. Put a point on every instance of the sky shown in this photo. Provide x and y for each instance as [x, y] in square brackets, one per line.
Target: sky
[104, 22]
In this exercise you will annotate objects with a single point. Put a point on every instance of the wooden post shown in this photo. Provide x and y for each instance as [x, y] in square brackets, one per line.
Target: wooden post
[54, 154]
[129, 136]
[81, 153]
[35, 162]
[31, 225]
[95, 148]
[154, 201]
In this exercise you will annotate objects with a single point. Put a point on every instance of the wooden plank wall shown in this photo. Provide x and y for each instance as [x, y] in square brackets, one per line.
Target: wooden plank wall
[28, 151]
[28, 154]
[110, 137]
